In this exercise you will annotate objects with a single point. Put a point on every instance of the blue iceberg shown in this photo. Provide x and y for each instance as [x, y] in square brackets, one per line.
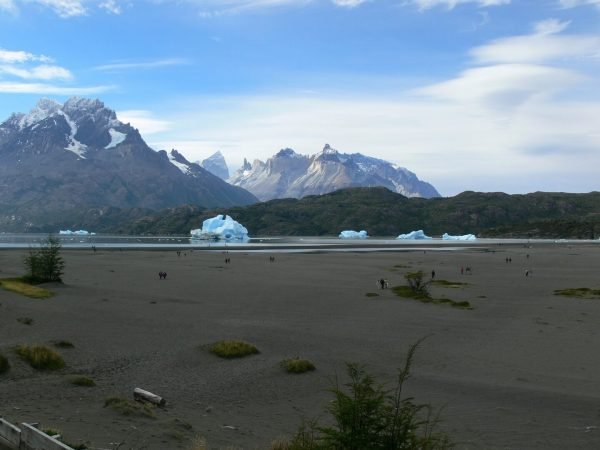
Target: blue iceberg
[465, 237]
[221, 227]
[75, 233]
[351, 234]
[414, 235]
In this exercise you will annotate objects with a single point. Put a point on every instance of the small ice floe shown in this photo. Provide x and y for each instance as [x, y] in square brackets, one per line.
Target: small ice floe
[414, 235]
[351, 234]
[464, 237]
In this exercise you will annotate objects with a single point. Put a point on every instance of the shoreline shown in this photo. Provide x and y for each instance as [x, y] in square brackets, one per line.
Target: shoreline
[517, 371]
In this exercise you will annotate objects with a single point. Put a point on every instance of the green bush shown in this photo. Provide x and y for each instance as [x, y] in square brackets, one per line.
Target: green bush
[83, 381]
[365, 415]
[232, 349]
[40, 357]
[4, 365]
[297, 365]
[45, 264]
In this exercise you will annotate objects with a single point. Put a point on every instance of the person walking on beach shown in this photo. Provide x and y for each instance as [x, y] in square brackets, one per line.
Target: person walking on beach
[432, 274]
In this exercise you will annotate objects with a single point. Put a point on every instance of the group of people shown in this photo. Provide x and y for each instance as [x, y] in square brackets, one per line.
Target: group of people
[162, 275]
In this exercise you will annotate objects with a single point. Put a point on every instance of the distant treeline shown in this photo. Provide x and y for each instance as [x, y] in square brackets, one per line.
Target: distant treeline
[377, 210]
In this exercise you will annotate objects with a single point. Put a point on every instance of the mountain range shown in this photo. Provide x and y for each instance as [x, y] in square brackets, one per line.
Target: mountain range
[292, 175]
[60, 159]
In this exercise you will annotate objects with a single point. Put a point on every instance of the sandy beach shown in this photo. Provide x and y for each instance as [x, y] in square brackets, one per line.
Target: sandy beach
[518, 371]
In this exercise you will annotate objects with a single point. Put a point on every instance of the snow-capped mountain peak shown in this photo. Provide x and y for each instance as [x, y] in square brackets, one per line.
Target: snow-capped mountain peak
[216, 165]
[288, 174]
[45, 108]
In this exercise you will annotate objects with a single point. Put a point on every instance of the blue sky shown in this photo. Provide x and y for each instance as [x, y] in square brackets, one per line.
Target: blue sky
[486, 95]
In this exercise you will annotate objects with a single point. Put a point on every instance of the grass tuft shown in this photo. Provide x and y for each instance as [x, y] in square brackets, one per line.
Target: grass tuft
[297, 365]
[4, 365]
[407, 292]
[579, 293]
[40, 357]
[63, 344]
[232, 349]
[449, 284]
[129, 407]
[372, 294]
[20, 286]
[83, 381]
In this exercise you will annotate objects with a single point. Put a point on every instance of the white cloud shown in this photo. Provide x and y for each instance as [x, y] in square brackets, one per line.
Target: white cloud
[63, 8]
[8, 5]
[504, 86]
[550, 26]
[43, 72]
[111, 6]
[128, 65]
[12, 57]
[539, 47]
[144, 121]
[7, 87]
[451, 4]
[574, 3]
[348, 3]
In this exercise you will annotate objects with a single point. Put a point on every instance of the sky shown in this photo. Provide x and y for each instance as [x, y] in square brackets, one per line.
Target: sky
[483, 95]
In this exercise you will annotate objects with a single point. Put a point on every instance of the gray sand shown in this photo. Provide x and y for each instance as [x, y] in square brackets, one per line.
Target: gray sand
[519, 371]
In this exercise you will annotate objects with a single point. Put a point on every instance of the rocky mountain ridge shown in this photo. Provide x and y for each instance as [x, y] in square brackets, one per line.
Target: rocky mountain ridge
[291, 175]
[58, 158]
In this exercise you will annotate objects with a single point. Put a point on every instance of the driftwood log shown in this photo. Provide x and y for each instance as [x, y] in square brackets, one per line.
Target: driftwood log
[142, 395]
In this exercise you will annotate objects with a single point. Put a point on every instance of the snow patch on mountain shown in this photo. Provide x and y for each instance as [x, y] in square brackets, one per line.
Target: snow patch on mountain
[181, 166]
[116, 138]
[73, 144]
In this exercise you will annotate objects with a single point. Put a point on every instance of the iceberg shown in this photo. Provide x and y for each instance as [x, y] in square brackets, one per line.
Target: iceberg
[351, 234]
[414, 235]
[221, 227]
[75, 233]
[465, 237]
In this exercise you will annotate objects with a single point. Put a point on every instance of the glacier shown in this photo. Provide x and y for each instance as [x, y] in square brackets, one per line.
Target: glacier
[351, 234]
[75, 233]
[414, 235]
[465, 237]
[221, 227]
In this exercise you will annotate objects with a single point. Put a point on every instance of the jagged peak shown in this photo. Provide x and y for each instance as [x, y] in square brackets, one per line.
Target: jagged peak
[286, 153]
[329, 150]
[81, 103]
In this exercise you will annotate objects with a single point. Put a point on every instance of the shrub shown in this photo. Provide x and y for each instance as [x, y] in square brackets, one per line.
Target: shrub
[232, 349]
[4, 365]
[45, 264]
[40, 357]
[297, 365]
[83, 381]
[129, 407]
[368, 416]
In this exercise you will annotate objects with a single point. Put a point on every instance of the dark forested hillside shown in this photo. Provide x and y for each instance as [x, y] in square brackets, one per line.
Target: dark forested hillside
[384, 213]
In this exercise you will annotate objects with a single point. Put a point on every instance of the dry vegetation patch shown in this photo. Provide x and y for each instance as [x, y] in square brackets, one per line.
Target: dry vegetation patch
[297, 365]
[40, 357]
[28, 290]
[232, 349]
[4, 365]
[130, 407]
[579, 293]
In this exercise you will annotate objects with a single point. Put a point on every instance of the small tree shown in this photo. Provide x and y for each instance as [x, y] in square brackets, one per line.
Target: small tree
[45, 264]
[416, 282]
[367, 416]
